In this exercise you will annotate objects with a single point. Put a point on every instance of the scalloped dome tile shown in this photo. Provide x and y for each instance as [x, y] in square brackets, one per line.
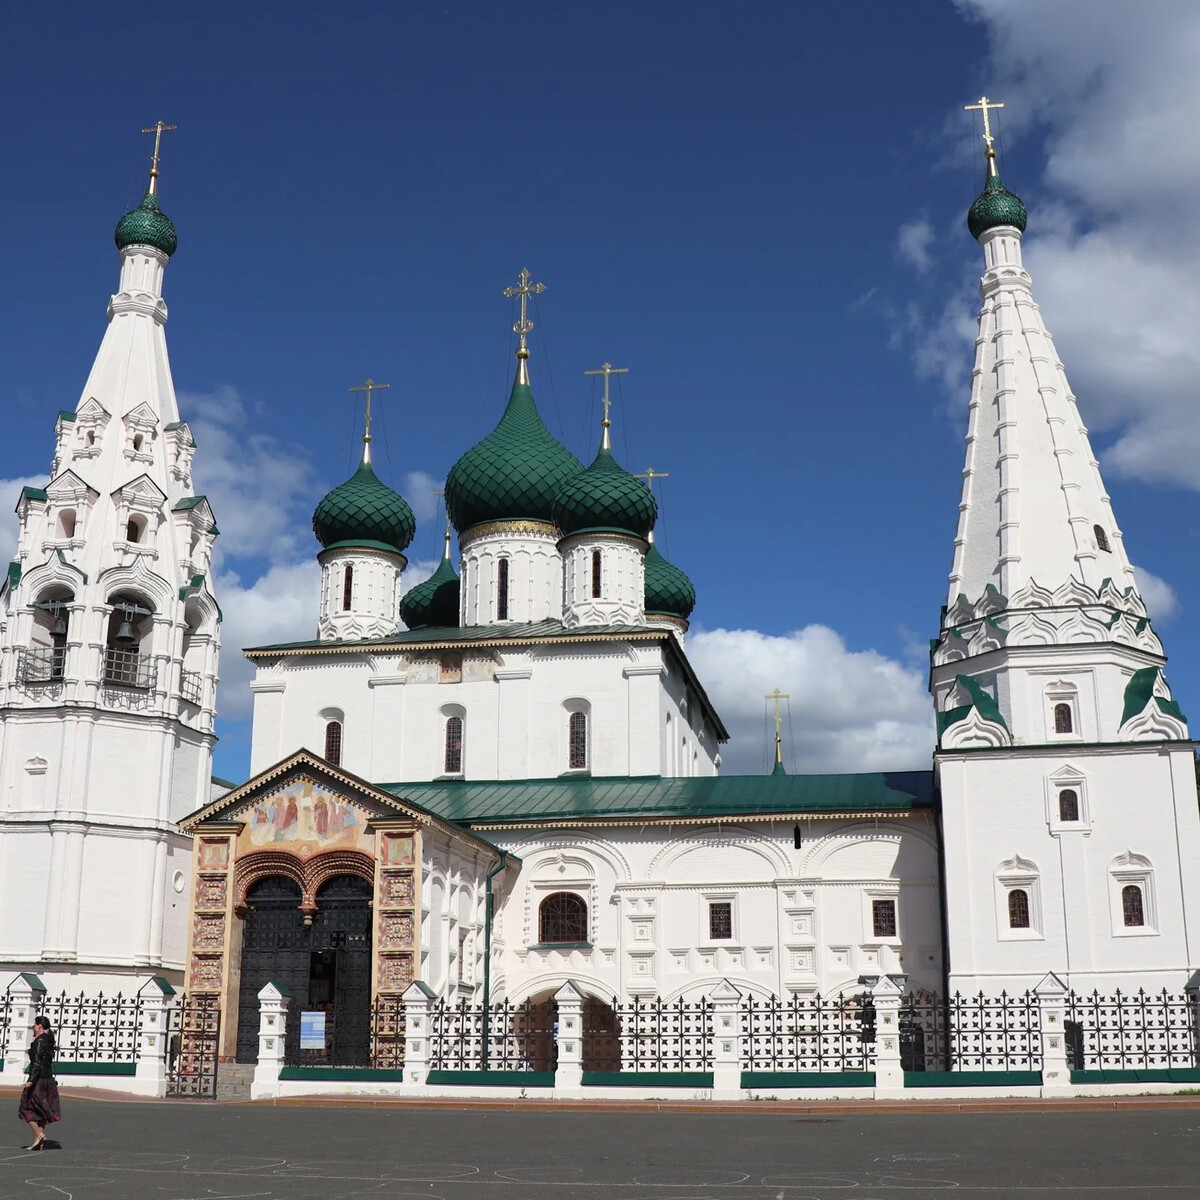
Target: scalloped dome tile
[605, 496]
[364, 509]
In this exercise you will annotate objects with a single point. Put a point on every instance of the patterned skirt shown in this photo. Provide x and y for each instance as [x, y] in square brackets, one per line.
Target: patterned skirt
[40, 1103]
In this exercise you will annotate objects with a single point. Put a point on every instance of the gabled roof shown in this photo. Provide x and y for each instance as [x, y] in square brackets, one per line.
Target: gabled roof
[306, 762]
[494, 803]
[514, 633]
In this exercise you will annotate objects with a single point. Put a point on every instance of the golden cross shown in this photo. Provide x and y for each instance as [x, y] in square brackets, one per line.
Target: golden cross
[777, 695]
[606, 370]
[368, 386]
[524, 289]
[158, 129]
[650, 475]
[983, 106]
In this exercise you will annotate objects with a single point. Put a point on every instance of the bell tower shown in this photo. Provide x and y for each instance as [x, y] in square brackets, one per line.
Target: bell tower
[109, 640]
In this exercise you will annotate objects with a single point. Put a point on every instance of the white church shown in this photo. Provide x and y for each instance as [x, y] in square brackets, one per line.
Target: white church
[507, 776]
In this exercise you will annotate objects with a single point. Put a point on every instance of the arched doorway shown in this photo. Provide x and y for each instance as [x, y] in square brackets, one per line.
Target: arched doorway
[325, 960]
[536, 1019]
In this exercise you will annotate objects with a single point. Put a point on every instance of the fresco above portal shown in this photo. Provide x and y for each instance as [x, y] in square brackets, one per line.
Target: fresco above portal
[305, 812]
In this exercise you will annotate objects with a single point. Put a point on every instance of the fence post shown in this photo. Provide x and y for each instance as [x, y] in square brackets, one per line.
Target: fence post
[1191, 989]
[1052, 1007]
[273, 999]
[417, 1000]
[154, 999]
[568, 1038]
[887, 991]
[26, 994]
[727, 1039]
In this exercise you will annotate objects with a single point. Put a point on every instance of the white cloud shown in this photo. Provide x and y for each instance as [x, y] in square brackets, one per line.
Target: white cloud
[418, 488]
[10, 490]
[913, 242]
[1114, 246]
[850, 710]
[1161, 602]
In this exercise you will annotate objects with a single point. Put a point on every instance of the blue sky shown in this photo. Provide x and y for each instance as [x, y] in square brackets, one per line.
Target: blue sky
[757, 208]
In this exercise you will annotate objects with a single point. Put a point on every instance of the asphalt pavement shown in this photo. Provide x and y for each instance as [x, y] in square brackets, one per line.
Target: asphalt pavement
[184, 1150]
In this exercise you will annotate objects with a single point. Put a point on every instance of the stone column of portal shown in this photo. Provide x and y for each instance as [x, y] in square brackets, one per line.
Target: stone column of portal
[273, 1002]
[154, 1000]
[1052, 1006]
[417, 1001]
[886, 992]
[568, 1039]
[727, 1039]
[26, 994]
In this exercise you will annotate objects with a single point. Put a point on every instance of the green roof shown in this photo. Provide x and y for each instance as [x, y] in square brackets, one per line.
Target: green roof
[147, 225]
[668, 590]
[65, 414]
[979, 699]
[187, 502]
[995, 205]
[32, 493]
[605, 497]
[434, 601]
[514, 473]
[364, 511]
[1139, 692]
[715, 797]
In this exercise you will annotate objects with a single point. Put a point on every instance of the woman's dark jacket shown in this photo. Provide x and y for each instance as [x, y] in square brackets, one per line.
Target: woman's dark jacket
[41, 1057]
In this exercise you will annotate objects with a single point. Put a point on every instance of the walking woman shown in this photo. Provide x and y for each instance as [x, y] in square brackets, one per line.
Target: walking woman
[39, 1096]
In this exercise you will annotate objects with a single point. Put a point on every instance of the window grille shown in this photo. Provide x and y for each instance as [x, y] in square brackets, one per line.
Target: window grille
[333, 743]
[1101, 539]
[562, 917]
[1068, 805]
[577, 729]
[597, 577]
[454, 745]
[1063, 719]
[720, 920]
[128, 668]
[191, 686]
[1132, 907]
[37, 665]
[1018, 909]
[348, 587]
[502, 590]
[883, 918]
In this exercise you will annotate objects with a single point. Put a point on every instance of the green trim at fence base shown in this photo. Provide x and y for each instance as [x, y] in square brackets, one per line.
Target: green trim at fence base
[1165, 1075]
[688, 1079]
[95, 1068]
[807, 1079]
[344, 1074]
[520, 1079]
[953, 1079]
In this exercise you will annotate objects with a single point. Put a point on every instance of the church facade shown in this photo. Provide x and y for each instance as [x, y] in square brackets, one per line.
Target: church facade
[507, 776]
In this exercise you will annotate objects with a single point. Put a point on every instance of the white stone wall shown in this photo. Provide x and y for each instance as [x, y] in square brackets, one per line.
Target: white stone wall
[801, 917]
[622, 599]
[534, 573]
[375, 590]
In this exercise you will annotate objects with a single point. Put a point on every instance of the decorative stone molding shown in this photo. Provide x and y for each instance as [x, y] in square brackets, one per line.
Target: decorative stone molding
[308, 876]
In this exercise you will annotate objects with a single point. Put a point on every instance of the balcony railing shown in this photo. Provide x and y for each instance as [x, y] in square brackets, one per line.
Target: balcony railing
[191, 686]
[128, 669]
[38, 664]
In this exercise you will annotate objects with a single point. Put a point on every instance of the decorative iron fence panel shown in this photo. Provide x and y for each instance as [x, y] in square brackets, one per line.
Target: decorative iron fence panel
[94, 1029]
[1131, 1032]
[387, 1033]
[808, 1033]
[654, 1035]
[455, 1036]
[971, 1033]
[520, 1036]
[193, 1046]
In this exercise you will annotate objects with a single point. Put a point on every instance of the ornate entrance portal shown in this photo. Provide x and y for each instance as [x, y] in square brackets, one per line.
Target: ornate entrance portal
[323, 956]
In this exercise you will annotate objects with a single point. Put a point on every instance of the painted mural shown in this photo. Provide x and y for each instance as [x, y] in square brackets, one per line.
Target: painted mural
[303, 811]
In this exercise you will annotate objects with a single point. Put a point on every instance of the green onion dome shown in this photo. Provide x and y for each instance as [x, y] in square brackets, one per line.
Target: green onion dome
[514, 473]
[147, 225]
[364, 511]
[669, 592]
[433, 603]
[995, 205]
[605, 497]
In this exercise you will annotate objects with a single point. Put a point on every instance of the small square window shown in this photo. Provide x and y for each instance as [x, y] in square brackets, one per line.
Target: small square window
[720, 921]
[883, 918]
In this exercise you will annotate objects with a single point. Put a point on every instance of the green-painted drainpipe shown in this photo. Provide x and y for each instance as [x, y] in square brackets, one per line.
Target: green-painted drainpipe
[488, 910]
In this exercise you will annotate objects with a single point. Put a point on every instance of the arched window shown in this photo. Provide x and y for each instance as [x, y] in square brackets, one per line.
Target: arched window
[577, 734]
[597, 574]
[133, 530]
[1101, 539]
[129, 626]
[1018, 909]
[502, 589]
[348, 587]
[1068, 805]
[454, 746]
[562, 917]
[1132, 908]
[1063, 721]
[333, 742]
[138, 440]
[66, 523]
